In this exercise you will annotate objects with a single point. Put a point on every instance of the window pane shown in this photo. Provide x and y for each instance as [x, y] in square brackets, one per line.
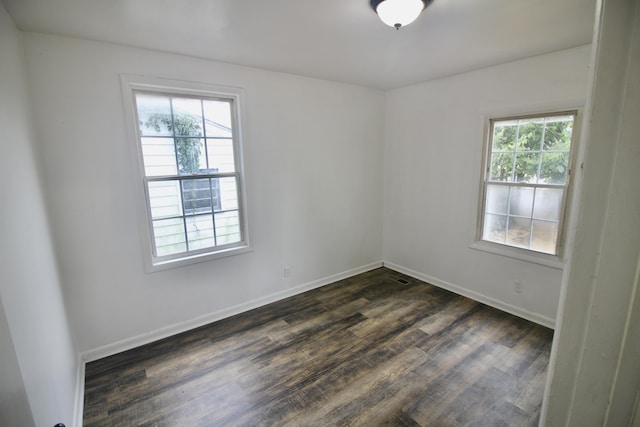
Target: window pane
[548, 203]
[521, 201]
[525, 154]
[553, 169]
[159, 156]
[187, 142]
[187, 116]
[164, 199]
[501, 167]
[154, 115]
[530, 134]
[527, 167]
[200, 232]
[220, 155]
[494, 228]
[196, 195]
[218, 119]
[227, 227]
[545, 235]
[169, 236]
[504, 136]
[518, 232]
[497, 199]
[557, 133]
[191, 155]
[228, 194]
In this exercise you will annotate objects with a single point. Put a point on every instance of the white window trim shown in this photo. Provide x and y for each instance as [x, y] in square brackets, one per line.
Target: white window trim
[131, 83]
[523, 254]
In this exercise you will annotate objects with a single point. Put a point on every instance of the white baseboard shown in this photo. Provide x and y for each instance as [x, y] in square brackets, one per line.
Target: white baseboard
[136, 341]
[500, 305]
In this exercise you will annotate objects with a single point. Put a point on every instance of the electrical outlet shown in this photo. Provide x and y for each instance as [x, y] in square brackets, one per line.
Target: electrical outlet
[287, 271]
[517, 287]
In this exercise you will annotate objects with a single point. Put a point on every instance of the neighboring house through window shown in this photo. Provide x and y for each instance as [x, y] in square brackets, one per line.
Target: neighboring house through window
[526, 181]
[190, 159]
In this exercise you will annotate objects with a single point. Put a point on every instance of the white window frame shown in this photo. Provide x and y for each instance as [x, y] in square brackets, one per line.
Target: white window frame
[132, 84]
[550, 260]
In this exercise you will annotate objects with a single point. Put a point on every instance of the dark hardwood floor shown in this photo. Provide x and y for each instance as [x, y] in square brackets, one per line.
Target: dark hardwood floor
[365, 351]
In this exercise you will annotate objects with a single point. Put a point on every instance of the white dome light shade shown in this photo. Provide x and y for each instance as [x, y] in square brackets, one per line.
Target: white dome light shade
[398, 13]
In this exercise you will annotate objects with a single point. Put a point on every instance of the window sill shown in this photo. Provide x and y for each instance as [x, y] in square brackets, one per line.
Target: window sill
[520, 254]
[154, 266]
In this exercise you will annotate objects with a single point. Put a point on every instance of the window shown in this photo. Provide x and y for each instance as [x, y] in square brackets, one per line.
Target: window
[526, 179]
[189, 151]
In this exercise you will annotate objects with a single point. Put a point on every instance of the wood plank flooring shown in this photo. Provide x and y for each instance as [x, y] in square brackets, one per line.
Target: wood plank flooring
[365, 351]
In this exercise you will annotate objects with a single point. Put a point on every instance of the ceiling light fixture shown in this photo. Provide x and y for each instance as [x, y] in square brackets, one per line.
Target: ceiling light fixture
[398, 13]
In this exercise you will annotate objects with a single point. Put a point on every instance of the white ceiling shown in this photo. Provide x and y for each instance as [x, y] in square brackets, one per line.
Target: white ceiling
[340, 40]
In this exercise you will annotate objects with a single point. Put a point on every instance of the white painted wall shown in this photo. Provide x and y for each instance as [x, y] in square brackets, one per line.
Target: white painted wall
[35, 334]
[432, 160]
[313, 162]
[14, 403]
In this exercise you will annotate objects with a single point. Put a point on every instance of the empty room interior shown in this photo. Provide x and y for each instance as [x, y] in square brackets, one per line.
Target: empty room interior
[278, 212]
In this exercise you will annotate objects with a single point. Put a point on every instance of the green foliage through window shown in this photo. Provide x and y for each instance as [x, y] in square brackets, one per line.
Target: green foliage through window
[531, 150]
[188, 149]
